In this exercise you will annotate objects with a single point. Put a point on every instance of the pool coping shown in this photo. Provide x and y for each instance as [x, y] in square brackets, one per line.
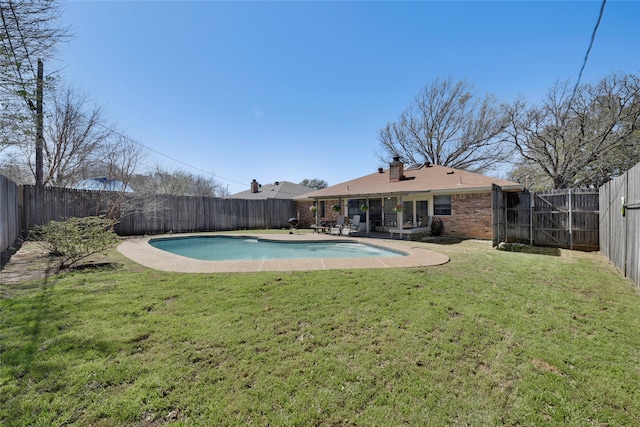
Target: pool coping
[139, 250]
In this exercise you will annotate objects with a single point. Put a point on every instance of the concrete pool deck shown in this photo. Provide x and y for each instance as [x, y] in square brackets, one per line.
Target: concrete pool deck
[139, 250]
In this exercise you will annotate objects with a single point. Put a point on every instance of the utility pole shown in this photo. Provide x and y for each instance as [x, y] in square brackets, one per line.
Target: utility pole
[39, 124]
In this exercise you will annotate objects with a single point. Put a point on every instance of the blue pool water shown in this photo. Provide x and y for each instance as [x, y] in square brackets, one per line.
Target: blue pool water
[229, 248]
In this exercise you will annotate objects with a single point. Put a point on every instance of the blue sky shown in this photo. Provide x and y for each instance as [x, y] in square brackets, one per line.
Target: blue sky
[283, 91]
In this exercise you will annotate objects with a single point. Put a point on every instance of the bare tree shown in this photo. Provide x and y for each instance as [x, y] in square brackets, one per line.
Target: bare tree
[314, 183]
[30, 31]
[171, 183]
[178, 183]
[16, 122]
[12, 166]
[28, 35]
[120, 157]
[206, 187]
[448, 125]
[74, 135]
[582, 139]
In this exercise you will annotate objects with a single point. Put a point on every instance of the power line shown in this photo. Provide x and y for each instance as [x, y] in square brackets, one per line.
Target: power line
[121, 135]
[586, 56]
[126, 137]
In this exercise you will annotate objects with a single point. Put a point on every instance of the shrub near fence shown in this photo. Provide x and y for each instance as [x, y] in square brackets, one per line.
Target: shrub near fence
[620, 223]
[9, 213]
[154, 215]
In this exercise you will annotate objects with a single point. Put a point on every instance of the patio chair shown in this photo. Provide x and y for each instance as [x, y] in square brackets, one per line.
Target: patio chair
[337, 227]
[353, 227]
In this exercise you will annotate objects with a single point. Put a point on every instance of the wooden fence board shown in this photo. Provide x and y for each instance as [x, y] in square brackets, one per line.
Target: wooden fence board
[620, 232]
[9, 213]
[617, 225]
[632, 215]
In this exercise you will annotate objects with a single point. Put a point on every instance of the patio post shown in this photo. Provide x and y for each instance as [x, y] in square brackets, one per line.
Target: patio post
[316, 203]
[400, 216]
[366, 216]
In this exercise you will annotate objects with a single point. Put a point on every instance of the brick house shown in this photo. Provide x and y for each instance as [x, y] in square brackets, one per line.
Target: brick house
[405, 198]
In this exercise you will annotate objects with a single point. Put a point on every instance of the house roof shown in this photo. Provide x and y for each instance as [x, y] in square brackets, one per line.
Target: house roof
[276, 190]
[417, 179]
[103, 184]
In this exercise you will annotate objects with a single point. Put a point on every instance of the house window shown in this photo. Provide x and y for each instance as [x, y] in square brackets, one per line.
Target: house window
[442, 205]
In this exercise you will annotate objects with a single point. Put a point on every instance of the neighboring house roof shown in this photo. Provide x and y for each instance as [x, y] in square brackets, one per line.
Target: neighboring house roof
[103, 184]
[417, 179]
[277, 190]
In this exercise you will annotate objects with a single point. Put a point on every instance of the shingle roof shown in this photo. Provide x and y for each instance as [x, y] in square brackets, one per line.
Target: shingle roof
[103, 184]
[432, 178]
[276, 190]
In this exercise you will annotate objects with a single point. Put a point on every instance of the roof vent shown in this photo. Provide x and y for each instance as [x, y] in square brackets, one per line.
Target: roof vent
[380, 170]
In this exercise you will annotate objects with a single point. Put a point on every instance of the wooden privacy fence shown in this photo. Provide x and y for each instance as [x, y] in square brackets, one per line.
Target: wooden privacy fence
[153, 215]
[181, 214]
[39, 205]
[9, 214]
[559, 218]
[567, 219]
[620, 223]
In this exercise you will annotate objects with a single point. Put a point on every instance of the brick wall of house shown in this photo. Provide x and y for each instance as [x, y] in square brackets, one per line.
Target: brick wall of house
[470, 216]
[307, 218]
[305, 215]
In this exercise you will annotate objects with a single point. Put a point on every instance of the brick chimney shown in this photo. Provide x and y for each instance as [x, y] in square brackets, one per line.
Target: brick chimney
[255, 187]
[396, 170]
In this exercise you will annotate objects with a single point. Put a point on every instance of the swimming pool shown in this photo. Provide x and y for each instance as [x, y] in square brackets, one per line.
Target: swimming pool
[233, 248]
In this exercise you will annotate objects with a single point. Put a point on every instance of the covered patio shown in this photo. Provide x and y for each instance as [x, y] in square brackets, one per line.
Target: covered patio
[390, 215]
[402, 201]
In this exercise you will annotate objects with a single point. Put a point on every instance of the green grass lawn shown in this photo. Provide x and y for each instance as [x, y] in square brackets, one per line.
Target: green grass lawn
[491, 338]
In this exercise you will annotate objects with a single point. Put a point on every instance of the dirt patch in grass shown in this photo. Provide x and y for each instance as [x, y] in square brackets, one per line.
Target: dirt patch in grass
[544, 366]
[26, 262]
[441, 240]
[29, 261]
